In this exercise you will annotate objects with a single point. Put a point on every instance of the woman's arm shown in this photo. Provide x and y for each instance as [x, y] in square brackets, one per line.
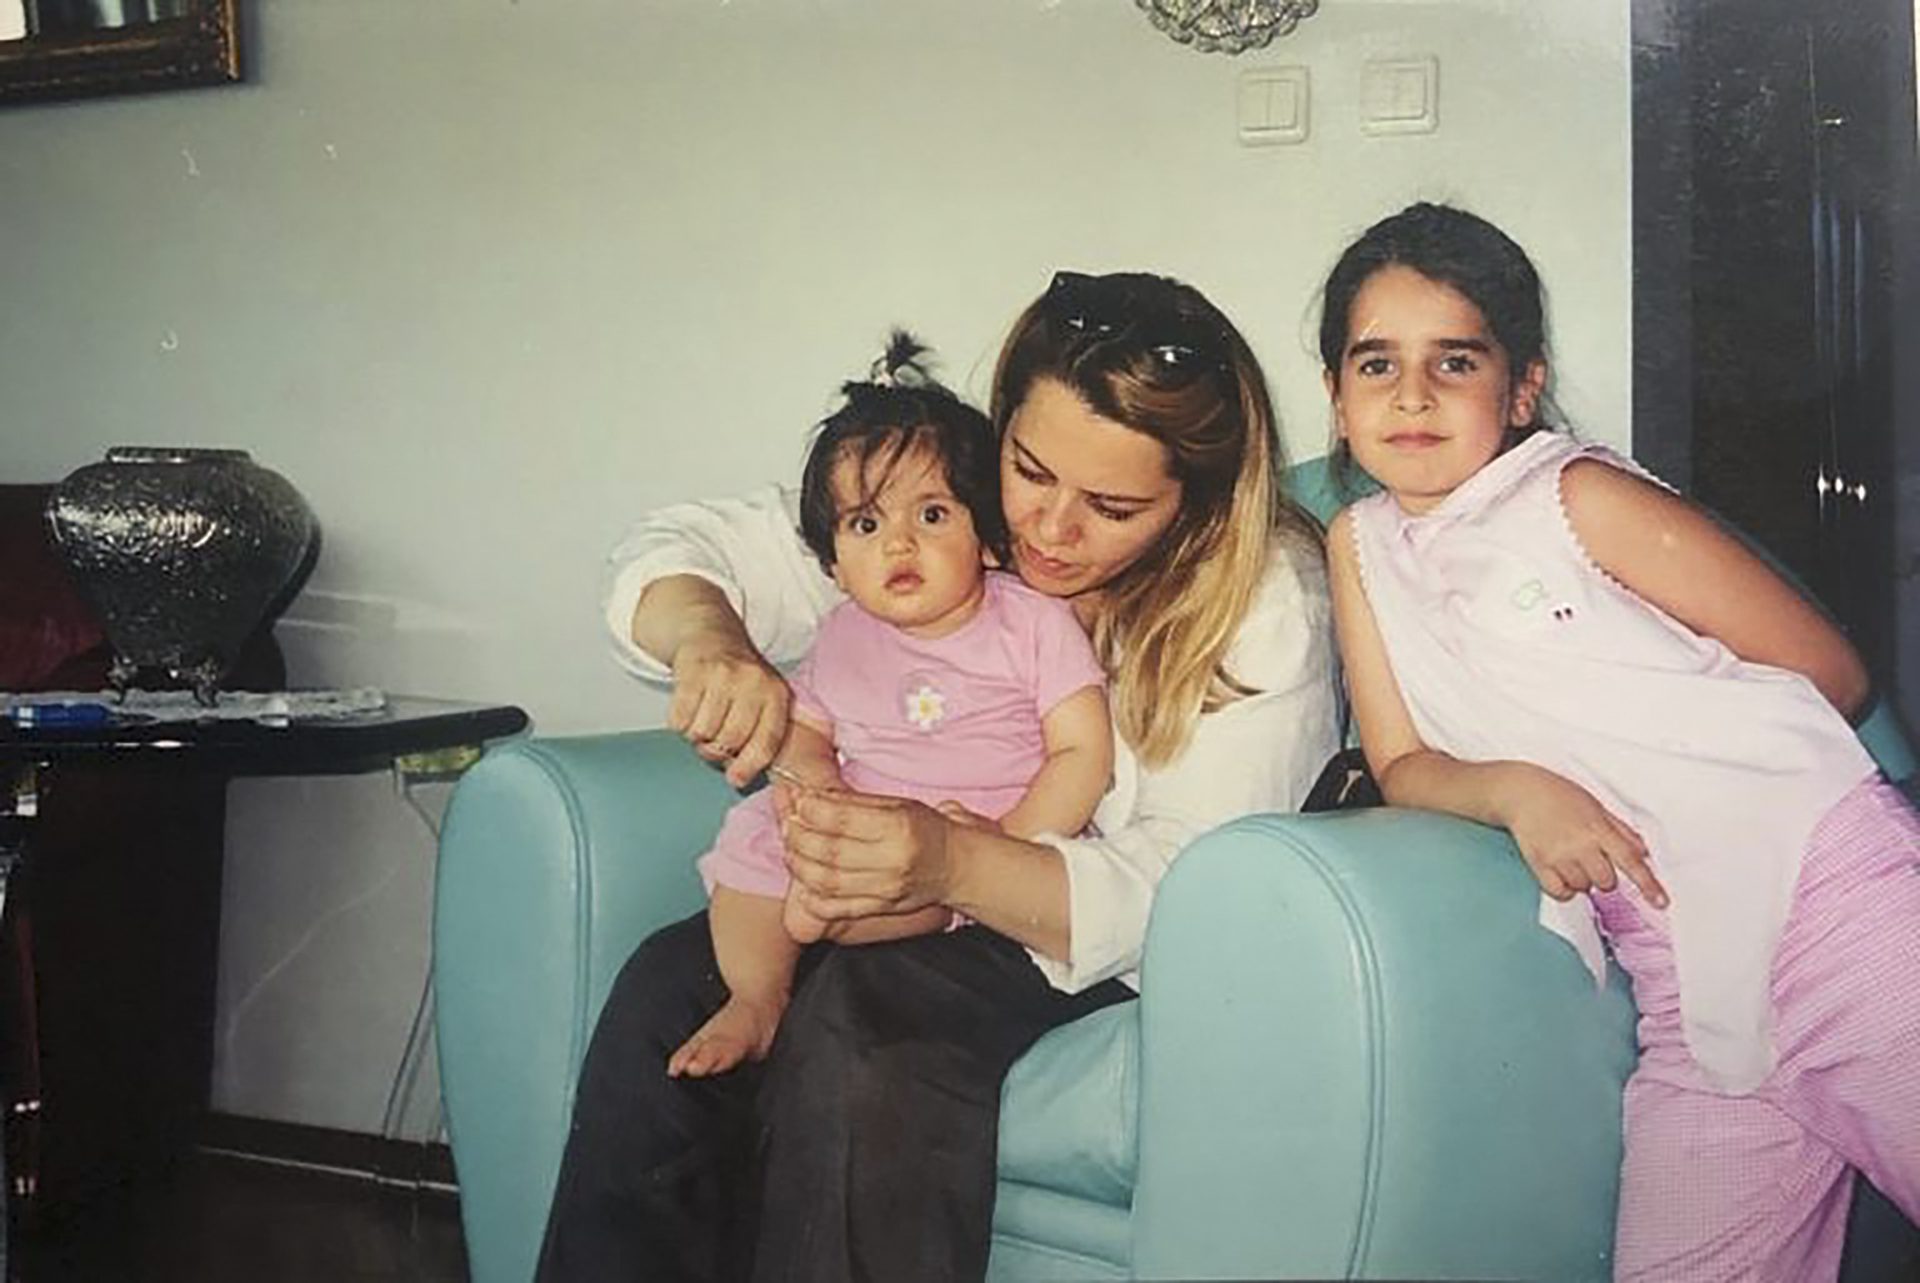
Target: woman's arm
[712, 594]
[1568, 839]
[1670, 553]
[1078, 733]
[728, 701]
[882, 927]
[748, 548]
[1259, 753]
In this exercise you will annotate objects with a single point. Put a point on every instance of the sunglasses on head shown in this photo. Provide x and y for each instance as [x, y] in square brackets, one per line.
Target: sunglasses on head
[1109, 308]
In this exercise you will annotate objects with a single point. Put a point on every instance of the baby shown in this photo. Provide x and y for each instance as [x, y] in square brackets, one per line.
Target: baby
[938, 680]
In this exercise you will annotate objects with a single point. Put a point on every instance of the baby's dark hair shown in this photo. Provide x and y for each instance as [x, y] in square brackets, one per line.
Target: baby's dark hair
[897, 407]
[1462, 251]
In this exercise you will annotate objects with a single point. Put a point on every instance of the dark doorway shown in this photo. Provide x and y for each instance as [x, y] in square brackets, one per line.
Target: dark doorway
[1776, 234]
[1774, 183]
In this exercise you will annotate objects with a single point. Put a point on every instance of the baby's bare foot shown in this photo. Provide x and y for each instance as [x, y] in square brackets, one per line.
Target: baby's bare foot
[802, 923]
[738, 1031]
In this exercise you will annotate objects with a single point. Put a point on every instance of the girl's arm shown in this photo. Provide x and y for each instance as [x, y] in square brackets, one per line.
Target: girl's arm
[1568, 839]
[1068, 786]
[1675, 556]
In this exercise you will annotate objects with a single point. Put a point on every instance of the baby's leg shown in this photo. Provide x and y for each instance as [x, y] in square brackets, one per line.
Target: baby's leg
[757, 958]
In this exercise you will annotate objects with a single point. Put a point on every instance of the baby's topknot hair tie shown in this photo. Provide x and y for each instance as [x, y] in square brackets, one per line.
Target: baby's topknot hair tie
[900, 365]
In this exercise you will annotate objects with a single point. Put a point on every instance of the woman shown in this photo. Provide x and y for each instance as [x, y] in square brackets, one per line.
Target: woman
[1140, 477]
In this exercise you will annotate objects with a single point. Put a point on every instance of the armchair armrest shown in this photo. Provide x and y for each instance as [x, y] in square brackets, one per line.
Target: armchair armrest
[1886, 740]
[557, 857]
[1362, 1057]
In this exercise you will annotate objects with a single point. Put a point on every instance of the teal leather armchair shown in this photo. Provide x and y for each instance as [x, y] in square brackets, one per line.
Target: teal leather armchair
[1355, 1054]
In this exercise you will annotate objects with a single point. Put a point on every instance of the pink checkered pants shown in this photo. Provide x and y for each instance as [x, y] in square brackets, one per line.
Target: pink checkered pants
[1758, 1186]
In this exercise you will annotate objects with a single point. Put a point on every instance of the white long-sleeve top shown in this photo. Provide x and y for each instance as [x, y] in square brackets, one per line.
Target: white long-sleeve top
[1259, 753]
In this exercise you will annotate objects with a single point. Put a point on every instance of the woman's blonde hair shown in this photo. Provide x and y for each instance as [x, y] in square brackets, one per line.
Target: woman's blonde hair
[1154, 355]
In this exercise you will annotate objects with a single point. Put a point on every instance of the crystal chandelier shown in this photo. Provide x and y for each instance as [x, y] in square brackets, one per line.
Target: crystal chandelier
[1227, 26]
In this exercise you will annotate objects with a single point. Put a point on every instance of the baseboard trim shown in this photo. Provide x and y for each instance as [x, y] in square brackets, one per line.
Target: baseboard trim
[415, 1164]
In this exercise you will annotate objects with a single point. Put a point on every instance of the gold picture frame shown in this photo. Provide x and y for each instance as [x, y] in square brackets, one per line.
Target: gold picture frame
[201, 47]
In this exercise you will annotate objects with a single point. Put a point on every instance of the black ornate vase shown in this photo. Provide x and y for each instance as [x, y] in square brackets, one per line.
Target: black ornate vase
[183, 552]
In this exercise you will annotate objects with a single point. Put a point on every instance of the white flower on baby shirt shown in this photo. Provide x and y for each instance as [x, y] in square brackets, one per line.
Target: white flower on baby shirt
[926, 706]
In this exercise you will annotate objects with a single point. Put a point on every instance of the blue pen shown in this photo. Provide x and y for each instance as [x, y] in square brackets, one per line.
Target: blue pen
[60, 714]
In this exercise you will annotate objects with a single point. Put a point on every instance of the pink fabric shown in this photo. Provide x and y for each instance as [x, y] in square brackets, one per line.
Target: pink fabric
[955, 718]
[1508, 642]
[1758, 1186]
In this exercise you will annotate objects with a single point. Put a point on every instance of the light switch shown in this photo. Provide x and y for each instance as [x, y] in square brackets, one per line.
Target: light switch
[1400, 96]
[1273, 106]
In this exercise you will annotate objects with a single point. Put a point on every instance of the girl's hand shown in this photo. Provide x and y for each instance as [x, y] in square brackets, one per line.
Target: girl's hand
[1570, 841]
[856, 854]
[730, 704]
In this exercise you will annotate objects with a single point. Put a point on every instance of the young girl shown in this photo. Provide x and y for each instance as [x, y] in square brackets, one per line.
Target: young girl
[1538, 636]
[937, 680]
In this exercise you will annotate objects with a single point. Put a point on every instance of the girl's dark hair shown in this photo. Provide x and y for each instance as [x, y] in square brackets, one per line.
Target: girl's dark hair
[1462, 251]
[898, 407]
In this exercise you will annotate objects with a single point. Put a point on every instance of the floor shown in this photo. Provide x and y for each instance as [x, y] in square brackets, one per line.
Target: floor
[222, 1219]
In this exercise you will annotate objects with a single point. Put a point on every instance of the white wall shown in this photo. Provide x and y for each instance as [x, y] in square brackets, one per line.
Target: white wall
[487, 280]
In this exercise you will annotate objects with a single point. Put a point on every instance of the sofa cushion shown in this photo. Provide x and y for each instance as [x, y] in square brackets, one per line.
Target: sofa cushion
[1069, 1109]
[1043, 1234]
[45, 624]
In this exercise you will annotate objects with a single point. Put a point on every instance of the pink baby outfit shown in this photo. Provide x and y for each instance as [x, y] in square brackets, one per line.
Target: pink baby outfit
[949, 718]
[1507, 642]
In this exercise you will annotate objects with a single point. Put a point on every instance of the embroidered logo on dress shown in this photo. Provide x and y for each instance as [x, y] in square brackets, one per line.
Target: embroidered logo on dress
[1512, 595]
[1528, 595]
[926, 706]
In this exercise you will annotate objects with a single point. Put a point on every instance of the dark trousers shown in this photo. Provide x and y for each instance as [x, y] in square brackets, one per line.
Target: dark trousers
[863, 1148]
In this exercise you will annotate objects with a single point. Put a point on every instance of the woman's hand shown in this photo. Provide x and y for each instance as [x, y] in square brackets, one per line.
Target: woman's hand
[791, 779]
[731, 705]
[728, 701]
[856, 854]
[1570, 841]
